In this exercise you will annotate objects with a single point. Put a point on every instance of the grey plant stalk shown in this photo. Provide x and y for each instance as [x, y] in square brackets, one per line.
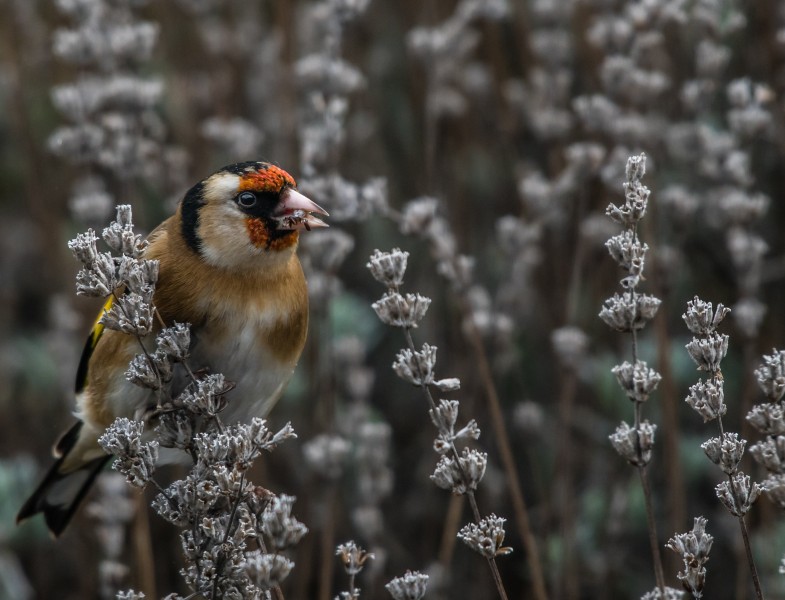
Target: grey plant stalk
[767, 418]
[707, 349]
[458, 472]
[629, 313]
[421, 218]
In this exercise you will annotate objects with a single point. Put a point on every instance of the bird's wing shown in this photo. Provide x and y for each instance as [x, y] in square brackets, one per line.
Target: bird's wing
[89, 347]
[98, 327]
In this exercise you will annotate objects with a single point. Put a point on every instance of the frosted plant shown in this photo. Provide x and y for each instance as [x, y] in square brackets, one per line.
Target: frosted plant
[707, 349]
[458, 472]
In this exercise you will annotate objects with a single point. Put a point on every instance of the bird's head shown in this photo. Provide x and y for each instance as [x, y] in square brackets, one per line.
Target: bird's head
[246, 211]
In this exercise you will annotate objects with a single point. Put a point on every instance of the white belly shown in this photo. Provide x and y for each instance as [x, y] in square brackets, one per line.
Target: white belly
[258, 377]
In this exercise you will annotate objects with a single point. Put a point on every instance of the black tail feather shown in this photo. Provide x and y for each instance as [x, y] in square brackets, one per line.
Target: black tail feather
[59, 494]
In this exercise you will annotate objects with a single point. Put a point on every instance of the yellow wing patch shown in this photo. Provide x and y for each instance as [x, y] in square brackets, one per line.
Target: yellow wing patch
[89, 347]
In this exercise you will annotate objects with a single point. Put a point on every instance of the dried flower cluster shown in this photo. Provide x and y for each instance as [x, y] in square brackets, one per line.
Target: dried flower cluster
[694, 548]
[111, 108]
[458, 472]
[630, 312]
[707, 350]
[409, 586]
[223, 515]
[768, 418]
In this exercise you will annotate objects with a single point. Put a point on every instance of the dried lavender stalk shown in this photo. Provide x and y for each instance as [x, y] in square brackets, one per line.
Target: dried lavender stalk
[629, 312]
[459, 472]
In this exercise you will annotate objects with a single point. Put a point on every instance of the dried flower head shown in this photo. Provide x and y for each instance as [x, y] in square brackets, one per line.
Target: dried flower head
[397, 310]
[409, 586]
[278, 524]
[175, 341]
[98, 279]
[770, 453]
[266, 571]
[416, 367]
[84, 247]
[353, 557]
[629, 311]
[774, 486]
[461, 475]
[708, 351]
[120, 236]
[637, 381]
[444, 418]
[205, 396]
[701, 319]
[131, 313]
[769, 419]
[388, 268]
[636, 195]
[739, 494]
[694, 548]
[134, 459]
[707, 399]
[628, 252]
[486, 537]
[634, 445]
[771, 375]
[725, 451]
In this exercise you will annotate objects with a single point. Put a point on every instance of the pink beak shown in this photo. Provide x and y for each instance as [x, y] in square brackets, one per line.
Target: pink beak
[294, 211]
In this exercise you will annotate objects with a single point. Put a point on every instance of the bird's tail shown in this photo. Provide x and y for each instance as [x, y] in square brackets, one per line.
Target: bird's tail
[60, 493]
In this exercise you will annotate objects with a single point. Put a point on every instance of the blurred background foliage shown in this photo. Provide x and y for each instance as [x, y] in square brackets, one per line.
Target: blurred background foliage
[518, 117]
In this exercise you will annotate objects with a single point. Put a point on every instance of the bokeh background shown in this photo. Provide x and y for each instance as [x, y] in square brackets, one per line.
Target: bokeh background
[517, 118]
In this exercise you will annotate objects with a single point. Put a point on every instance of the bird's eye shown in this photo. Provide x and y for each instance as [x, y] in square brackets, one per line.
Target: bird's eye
[246, 199]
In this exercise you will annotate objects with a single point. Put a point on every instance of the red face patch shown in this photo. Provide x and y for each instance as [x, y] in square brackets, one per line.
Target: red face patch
[260, 236]
[269, 179]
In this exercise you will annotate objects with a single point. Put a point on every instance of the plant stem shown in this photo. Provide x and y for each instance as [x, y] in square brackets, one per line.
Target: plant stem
[469, 494]
[497, 578]
[328, 547]
[504, 447]
[753, 571]
[143, 548]
[651, 525]
[659, 575]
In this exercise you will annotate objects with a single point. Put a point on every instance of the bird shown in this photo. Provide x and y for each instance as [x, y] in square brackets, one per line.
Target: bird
[228, 267]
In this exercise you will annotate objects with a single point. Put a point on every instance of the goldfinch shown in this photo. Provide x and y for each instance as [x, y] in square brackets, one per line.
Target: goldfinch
[228, 267]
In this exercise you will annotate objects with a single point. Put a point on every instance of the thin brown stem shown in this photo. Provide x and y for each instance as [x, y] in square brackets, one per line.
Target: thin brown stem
[452, 521]
[659, 575]
[327, 549]
[651, 525]
[143, 548]
[750, 561]
[522, 520]
[497, 578]
[469, 494]
[568, 579]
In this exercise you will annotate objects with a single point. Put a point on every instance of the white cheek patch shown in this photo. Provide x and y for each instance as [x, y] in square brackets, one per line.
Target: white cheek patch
[222, 229]
[221, 186]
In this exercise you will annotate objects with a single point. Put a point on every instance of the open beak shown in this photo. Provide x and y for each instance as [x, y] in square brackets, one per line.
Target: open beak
[294, 211]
